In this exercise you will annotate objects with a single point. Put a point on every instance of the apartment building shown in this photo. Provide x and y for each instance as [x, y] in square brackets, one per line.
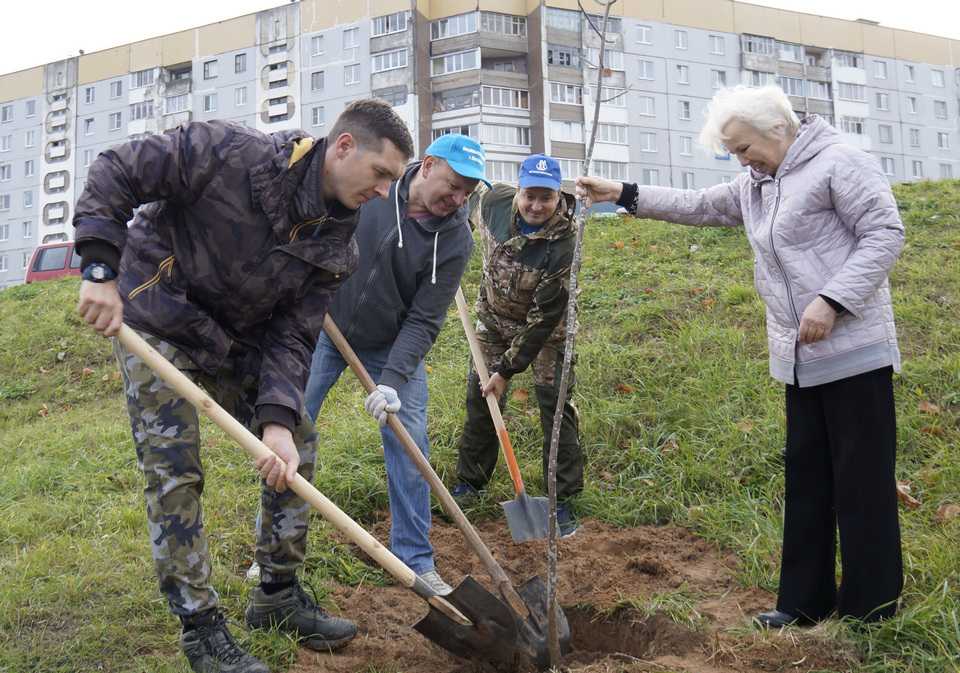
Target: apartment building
[518, 75]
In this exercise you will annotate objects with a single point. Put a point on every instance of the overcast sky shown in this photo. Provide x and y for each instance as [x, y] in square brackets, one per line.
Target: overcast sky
[40, 31]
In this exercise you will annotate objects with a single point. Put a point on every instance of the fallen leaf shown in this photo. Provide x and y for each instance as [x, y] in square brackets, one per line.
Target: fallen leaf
[708, 302]
[429, 369]
[105, 378]
[44, 370]
[933, 430]
[44, 410]
[745, 425]
[695, 291]
[648, 290]
[669, 446]
[520, 395]
[947, 512]
[624, 388]
[903, 494]
[116, 376]
[618, 245]
[86, 371]
[926, 407]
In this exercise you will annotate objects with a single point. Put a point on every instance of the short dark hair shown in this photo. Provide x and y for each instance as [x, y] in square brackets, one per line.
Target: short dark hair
[369, 121]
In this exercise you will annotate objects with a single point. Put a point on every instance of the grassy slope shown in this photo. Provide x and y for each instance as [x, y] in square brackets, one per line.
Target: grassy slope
[680, 422]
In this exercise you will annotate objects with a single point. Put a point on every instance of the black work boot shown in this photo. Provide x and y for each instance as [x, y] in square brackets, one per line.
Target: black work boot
[210, 648]
[290, 610]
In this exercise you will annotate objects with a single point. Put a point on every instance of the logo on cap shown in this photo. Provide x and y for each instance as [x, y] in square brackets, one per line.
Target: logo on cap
[541, 165]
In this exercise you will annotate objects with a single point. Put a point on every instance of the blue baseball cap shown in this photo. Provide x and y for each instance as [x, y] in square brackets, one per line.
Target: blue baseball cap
[539, 170]
[465, 155]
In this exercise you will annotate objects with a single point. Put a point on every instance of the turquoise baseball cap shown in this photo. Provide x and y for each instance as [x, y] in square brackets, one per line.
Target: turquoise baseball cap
[464, 155]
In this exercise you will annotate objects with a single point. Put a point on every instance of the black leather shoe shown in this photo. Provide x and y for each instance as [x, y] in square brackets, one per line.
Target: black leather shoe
[775, 619]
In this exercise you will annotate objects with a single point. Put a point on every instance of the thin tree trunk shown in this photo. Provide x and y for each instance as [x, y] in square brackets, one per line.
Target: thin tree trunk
[553, 636]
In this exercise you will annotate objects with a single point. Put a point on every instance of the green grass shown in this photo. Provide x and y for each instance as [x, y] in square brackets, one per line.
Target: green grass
[680, 422]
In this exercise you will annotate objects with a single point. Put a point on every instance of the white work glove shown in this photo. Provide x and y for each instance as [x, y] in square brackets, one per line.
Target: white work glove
[382, 401]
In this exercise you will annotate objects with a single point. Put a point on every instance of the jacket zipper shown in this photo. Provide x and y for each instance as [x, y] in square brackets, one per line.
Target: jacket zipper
[373, 274]
[773, 220]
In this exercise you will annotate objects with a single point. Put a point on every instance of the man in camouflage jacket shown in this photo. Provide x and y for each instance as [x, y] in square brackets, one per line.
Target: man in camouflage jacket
[240, 241]
[528, 238]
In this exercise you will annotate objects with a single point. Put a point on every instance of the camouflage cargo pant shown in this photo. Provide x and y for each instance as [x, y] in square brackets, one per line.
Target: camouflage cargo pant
[167, 438]
[479, 448]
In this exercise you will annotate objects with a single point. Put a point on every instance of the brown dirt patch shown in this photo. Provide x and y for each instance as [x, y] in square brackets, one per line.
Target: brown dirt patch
[600, 568]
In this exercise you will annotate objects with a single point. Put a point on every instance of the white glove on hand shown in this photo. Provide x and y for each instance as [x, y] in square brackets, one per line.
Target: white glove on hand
[382, 401]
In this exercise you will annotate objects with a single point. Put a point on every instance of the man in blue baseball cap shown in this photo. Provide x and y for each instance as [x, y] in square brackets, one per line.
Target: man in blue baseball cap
[529, 238]
[414, 247]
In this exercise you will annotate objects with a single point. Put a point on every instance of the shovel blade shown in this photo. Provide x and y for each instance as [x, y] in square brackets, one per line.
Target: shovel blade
[527, 518]
[491, 638]
[533, 632]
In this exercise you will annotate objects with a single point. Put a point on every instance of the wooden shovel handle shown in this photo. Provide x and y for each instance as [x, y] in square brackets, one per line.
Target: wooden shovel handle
[190, 391]
[505, 445]
[413, 452]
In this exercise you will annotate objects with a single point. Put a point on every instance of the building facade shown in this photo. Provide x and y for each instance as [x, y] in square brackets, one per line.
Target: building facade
[519, 76]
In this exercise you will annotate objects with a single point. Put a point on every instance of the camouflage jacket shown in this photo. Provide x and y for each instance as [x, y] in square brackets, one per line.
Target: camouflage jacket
[523, 293]
[234, 249]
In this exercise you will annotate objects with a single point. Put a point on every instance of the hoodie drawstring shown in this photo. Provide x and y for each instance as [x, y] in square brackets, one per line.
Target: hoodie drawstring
[396, 208]
[433, 278]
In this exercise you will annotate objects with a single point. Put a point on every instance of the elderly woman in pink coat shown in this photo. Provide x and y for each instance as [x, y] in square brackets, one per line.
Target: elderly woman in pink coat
[825, 233]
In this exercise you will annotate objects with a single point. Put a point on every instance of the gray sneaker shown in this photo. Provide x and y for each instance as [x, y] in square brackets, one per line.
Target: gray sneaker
[211, 649]
[292, 611]
[435, 582]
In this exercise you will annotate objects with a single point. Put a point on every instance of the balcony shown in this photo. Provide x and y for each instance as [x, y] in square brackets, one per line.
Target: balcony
[277, 109]
[761, 62]
[55, 152]
[277, 75]
[276, 57]
[56, 182]
[58, 105]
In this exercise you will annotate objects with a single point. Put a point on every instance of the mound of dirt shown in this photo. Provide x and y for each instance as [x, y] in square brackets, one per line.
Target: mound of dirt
[604, 572]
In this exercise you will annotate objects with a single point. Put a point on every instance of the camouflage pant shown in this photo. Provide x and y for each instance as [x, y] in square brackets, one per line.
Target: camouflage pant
[479, 448]
[167, 438]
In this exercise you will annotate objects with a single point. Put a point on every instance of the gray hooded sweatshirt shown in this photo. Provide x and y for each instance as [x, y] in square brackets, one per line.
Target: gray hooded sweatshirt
[825, 224]
[407, 276]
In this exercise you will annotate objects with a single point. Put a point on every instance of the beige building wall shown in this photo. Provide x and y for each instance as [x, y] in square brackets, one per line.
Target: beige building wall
[21, 84]
[104, 64]
[217, 38]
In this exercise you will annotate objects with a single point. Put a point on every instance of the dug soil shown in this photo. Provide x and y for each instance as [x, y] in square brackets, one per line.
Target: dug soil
[604, 574]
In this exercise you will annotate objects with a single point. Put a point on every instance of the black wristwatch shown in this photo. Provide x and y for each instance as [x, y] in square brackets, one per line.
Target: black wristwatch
[98, 272]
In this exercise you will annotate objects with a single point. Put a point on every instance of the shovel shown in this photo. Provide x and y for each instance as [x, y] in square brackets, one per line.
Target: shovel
[529, 604]
[470, 622]
[527, 517]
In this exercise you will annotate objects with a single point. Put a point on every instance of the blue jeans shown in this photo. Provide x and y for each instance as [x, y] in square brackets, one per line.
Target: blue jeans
[408, 491]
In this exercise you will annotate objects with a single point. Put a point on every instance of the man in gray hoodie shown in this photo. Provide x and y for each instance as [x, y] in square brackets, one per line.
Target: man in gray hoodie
[414, 247]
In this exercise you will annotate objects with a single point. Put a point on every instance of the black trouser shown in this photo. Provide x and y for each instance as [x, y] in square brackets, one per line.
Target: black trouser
[840, 460]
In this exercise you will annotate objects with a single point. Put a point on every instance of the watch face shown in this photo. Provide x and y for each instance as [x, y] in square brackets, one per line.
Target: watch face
[98, 273]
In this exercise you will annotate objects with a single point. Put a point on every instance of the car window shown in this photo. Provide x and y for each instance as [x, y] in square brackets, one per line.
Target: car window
[75, 260]
[52, 259]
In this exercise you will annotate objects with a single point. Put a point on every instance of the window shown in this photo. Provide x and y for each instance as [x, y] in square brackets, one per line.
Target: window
[88, 126]
[754, 44]
[946, 171]
[28, 199]
[846, 59]
[943, 140]
[883, 101]
[910, 73]
[390, 60]
[880, 69]
[3, 262]
[457, 99]
[852, 125]
[89, 95]
[316, 80]
[687, 180]
[819, 90]
[209, 69]
[684, 109]
[210, 102]
[564, 19]
[940, 109]
[611, 96]
[886, 133]
[389, 23]
[569, 168]
[454, 25]
[30, 138]
[138, 80]
[239, 63]
[887, 165]
[757, 78]
[500, 134]
[240, 96]
[472, 130]
[87, 158]
[914, 137]
[614, 23]
[647, 106]
[683, 74]
[912, 104]
[5, 142]
[31, 108]
[6, 172]
[6, 114]
[789, 52]
[648, 142]
[848, 91]
[566, 93]
[917, 168]
[505, 24]
[351, 44]
[511, 98]
[680, 40]
[936, 78]
[646, 69]
[571, 132]
[318, 116]
[503, 171]
[718, 46]
[114, 121]
[28, 168]
[316, 45]
[351, 74]
[650, 176]
[142, 110]
[611, 170]
[792, 86]
[686, 146]
[719, 78]
[644, 35]
[28, 229]
[612, 58]
[455, 62]
[614, 133]
[116, 89]
[565, 56]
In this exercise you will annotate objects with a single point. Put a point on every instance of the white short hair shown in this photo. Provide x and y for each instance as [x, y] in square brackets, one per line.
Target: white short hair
[767, 109]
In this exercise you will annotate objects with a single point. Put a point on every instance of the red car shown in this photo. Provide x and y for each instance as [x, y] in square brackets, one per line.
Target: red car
[53, 260]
